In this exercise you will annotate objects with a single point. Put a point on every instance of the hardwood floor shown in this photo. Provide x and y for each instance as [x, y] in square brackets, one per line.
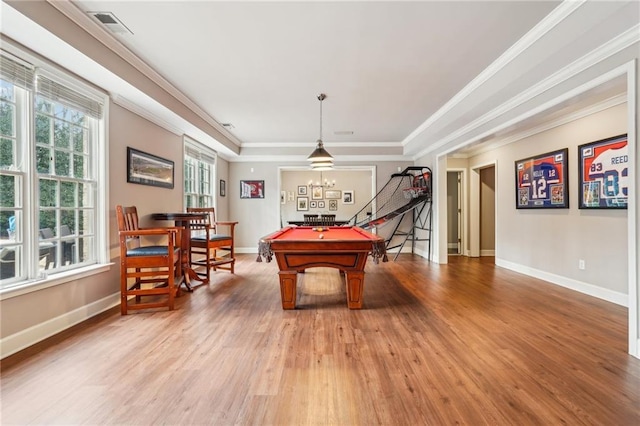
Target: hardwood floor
[464, 343]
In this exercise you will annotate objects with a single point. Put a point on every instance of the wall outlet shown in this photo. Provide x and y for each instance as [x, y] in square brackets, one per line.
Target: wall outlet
[581, 264]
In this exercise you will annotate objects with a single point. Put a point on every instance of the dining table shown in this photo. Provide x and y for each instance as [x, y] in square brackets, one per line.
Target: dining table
[183, 220]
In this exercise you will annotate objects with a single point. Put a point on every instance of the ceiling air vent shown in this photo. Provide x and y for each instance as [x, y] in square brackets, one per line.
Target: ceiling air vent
[110, 21]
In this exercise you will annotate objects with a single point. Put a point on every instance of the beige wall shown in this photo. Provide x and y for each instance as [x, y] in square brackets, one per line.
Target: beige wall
[487, 211]
[259, 217]
[358, 181]
[48, 311]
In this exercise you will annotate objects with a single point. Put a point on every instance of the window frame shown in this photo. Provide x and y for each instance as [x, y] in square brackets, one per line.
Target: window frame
[201, 155]
[29, 193]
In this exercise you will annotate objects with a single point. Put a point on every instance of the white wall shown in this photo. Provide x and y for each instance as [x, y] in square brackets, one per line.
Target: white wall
[552, 241]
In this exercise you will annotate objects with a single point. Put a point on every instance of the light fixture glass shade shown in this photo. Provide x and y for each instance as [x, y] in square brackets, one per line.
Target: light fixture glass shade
[322, 165]
[320, 154]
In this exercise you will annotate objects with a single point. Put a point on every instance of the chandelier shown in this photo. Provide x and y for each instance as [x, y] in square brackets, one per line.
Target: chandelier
[326, 183]
[320, 158]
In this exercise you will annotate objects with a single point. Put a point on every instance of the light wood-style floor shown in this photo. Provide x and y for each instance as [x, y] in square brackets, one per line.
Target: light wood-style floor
[465, 343]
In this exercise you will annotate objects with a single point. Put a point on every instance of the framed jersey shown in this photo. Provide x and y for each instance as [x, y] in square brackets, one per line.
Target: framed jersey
[603, 169]
[542, 181]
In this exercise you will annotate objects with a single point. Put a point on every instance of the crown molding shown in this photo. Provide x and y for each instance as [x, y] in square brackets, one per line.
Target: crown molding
[565, 119]
[303, 158]
[145, 113]
[608, 49]
[81, 19]
[326, 144]
[558, 15]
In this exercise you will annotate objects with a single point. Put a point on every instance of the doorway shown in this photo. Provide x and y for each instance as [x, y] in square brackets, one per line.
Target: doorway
[454, 213]
[488, 211]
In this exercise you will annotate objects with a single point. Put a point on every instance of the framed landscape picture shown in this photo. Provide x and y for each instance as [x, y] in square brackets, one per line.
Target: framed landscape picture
[148, 169]
[603, 170]
[542, 181]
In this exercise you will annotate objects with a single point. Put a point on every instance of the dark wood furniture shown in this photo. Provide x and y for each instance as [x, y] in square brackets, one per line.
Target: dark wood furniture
[303, 223]
[182, 220]
[343, 248]
[207, 242]
[147, 271]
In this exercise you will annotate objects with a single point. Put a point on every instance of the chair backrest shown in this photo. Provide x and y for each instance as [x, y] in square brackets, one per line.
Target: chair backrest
[127, 218]
[46, 233]
[64, 230]
[209, 221]
[128, 221]
[328, 219]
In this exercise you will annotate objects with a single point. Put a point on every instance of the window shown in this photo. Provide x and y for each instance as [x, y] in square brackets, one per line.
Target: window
[199, 175]
[51, 135]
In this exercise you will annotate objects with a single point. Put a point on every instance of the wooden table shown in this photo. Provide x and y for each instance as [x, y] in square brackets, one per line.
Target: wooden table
[183, 219]
[341, 247]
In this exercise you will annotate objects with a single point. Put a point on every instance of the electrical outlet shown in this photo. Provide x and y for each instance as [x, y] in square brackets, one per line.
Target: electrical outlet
[581, 264]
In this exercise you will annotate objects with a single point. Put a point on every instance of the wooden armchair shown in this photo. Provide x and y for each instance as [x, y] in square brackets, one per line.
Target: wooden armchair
[152, 272]
[206, 242]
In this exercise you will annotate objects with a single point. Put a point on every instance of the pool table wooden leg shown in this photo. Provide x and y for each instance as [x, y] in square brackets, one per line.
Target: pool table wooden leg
[355, 288]
[288, 284]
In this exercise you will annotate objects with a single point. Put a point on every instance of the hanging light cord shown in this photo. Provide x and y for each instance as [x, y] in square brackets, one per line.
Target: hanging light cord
[321, 98]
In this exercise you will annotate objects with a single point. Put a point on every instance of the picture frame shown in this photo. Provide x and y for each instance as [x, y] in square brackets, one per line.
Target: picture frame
[148, 169]
[347, 197]
[251, 189]
[542, 181]
[603, 169]
[302, 204]
[321, 204]
[333, 205]
[283, 197]
[332, 194]
[223, 188]
[302, 190]
[313, 204]
[316, 193]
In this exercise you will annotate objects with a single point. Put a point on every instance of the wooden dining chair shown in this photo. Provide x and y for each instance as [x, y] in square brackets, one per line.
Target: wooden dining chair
[152, 274]
[328, 219]
[310, 219]
[207, 242]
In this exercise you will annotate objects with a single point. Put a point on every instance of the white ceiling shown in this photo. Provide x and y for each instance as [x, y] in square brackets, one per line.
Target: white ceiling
[402, 76]
[384, 66]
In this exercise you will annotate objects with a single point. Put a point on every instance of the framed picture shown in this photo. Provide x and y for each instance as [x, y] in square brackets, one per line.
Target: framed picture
[603, 170]
[347, 197]
[302, 204]
[542, 181]
[316, 193]
[332, 194]
[283, 197]
[147, 169]
[251, 189]
[313, 204]
[302, 190]
[223, 188]
[333, 205]
[321, 204]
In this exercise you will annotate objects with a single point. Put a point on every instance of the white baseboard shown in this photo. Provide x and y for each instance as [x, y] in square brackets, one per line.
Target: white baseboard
[579, 286]
[32, 335]
[487, 252]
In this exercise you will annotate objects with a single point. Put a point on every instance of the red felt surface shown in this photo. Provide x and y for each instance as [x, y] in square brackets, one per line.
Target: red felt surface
[330, 233]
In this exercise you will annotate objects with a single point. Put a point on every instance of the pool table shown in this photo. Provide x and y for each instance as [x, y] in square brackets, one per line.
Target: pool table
[342, 247]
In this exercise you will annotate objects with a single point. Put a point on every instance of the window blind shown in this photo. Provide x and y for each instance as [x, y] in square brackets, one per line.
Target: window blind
[16, 72]
[69, 97]
[203, 154]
